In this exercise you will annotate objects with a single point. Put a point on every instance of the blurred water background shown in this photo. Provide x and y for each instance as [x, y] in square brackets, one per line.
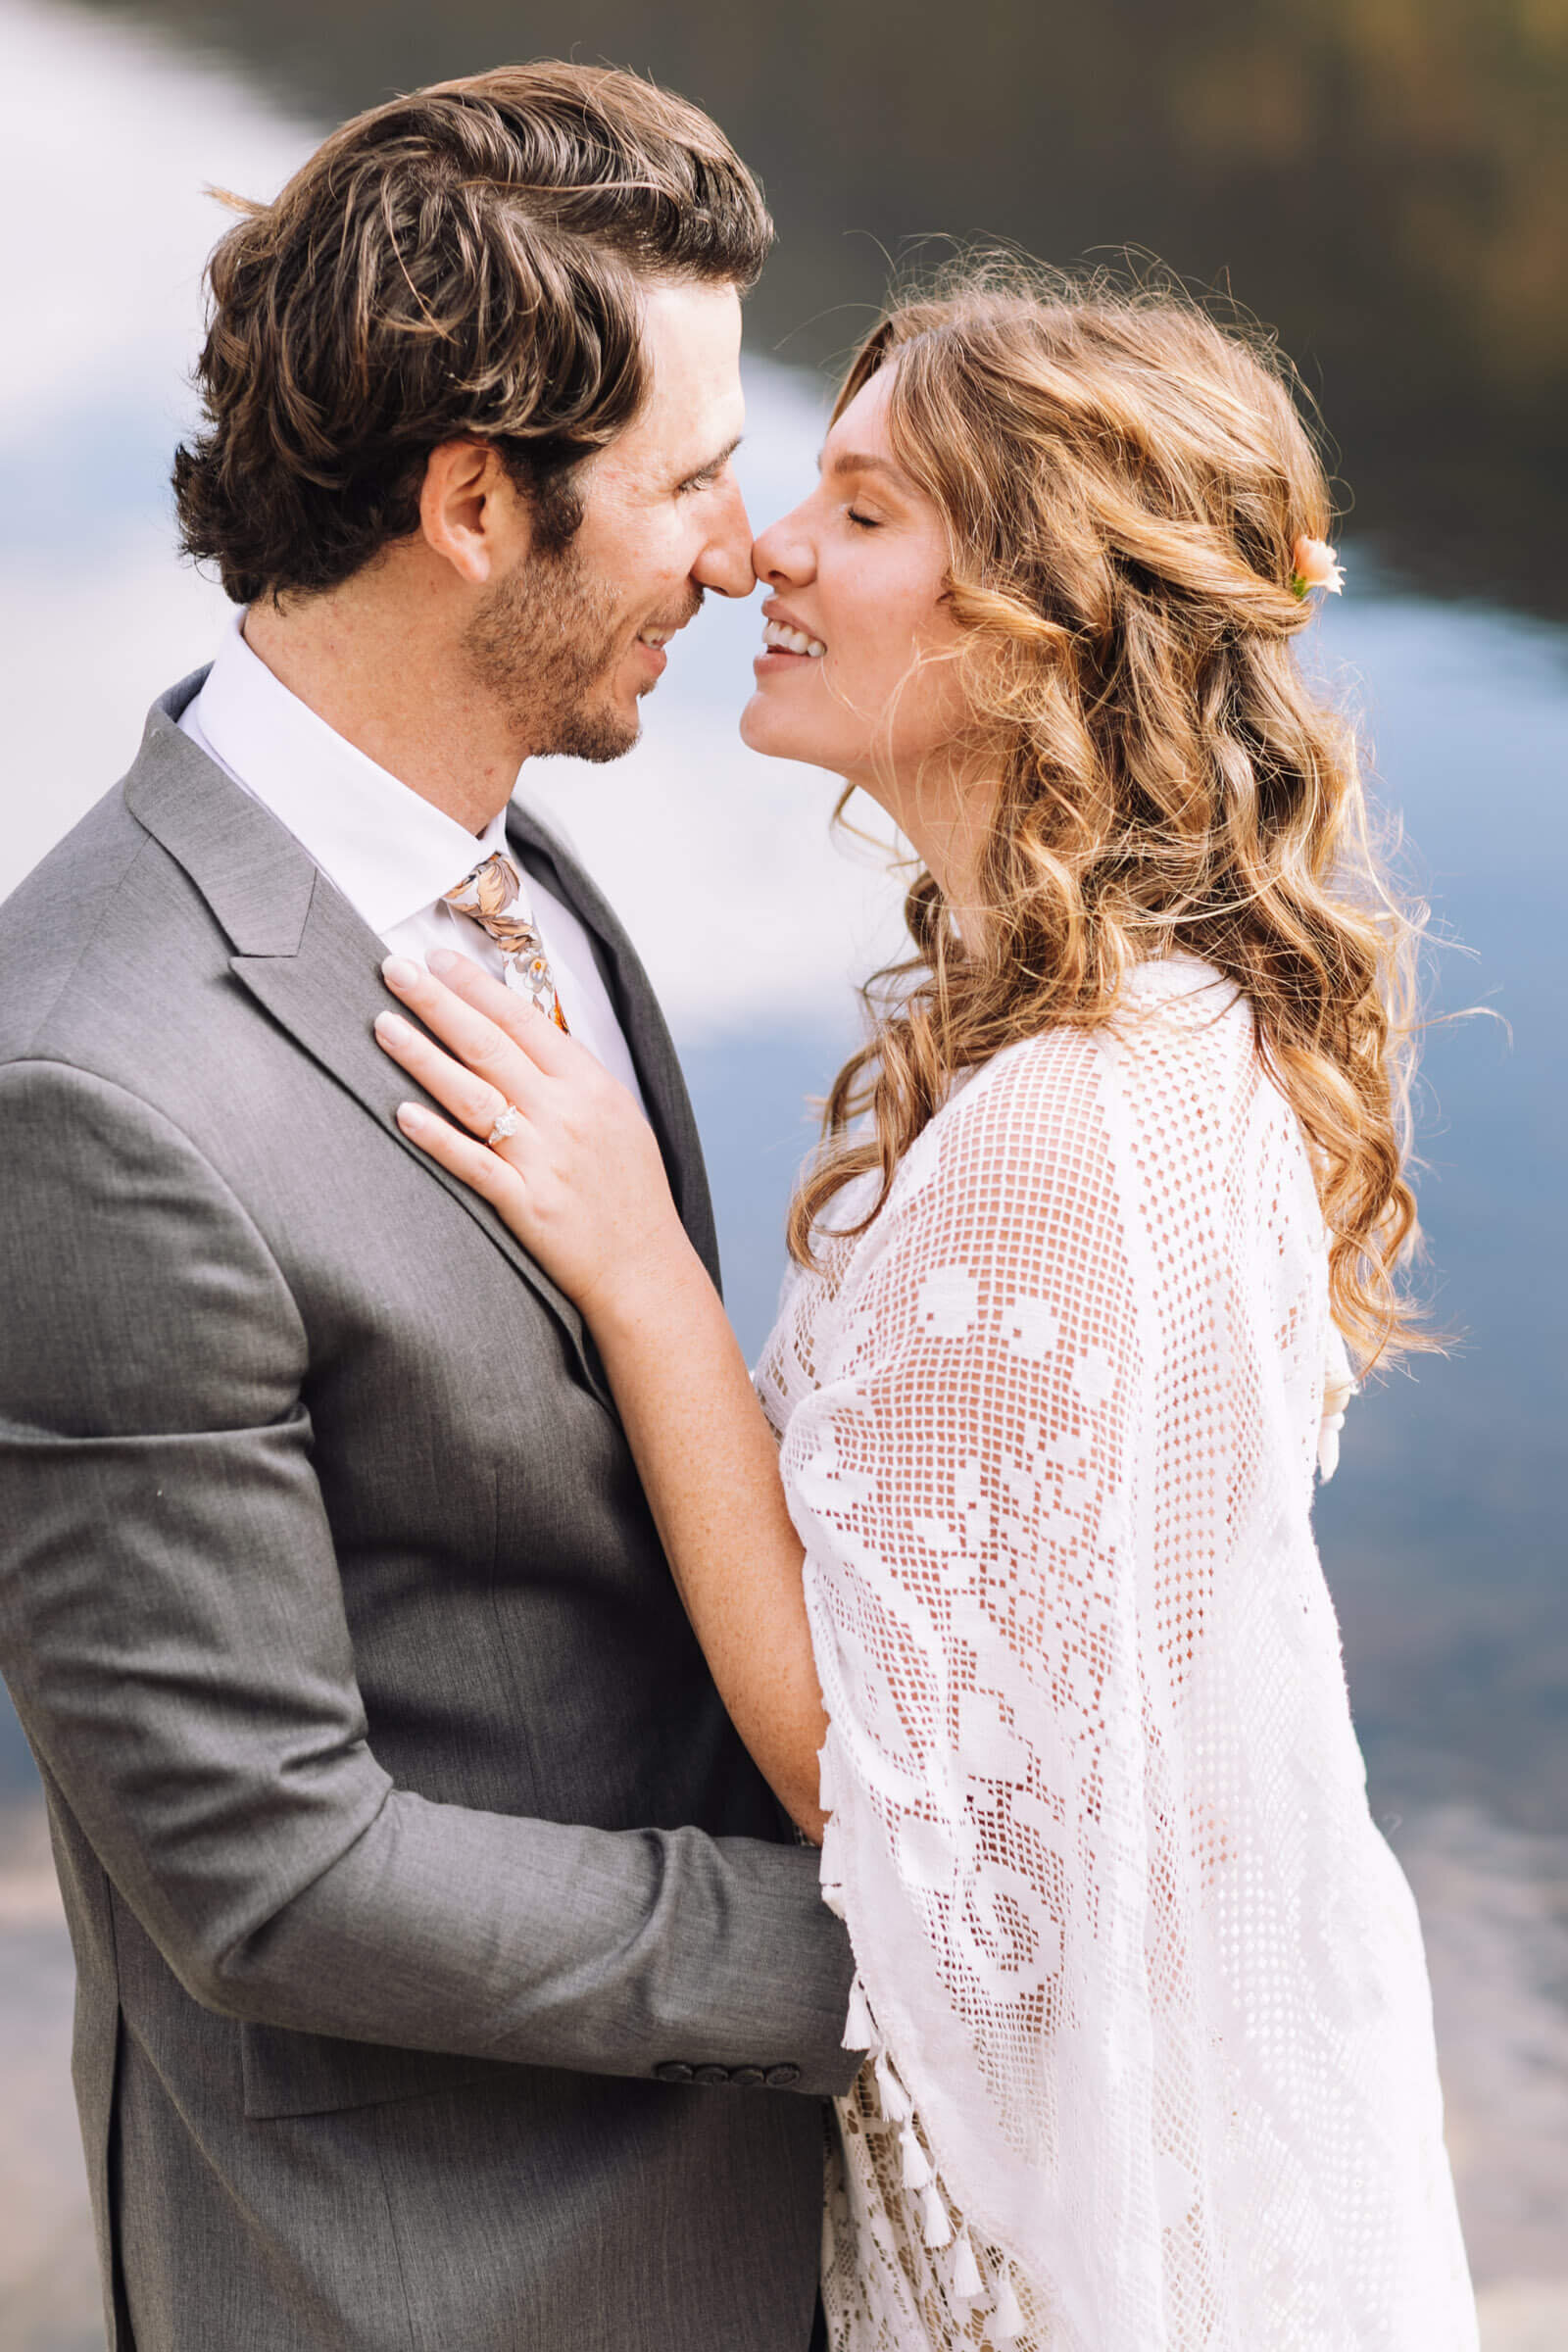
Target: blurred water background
[1384, 181]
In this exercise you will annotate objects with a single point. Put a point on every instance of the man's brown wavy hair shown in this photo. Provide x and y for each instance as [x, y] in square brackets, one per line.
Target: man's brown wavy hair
[1123, 481]
[463, 261]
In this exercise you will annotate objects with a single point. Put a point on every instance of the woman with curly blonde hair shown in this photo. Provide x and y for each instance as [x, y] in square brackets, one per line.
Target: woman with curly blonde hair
[1010, 1583]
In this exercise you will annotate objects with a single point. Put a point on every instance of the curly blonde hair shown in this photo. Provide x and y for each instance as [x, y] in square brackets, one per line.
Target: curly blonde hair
[1123, 481]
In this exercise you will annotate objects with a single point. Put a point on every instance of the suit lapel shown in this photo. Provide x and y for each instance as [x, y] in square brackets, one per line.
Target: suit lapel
[326, 995]
[300, 951]
[643, 1025]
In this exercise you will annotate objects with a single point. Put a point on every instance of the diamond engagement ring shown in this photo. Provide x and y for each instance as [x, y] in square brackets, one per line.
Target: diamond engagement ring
[510, 1121]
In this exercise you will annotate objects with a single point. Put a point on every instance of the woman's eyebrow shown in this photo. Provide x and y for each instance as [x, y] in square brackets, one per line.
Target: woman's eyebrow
[855, 461]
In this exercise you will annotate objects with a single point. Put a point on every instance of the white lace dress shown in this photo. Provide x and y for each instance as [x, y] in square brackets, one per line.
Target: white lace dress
[1153, 2062]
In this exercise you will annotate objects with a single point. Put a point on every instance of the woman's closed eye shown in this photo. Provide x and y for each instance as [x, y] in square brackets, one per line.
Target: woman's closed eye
[861, 522]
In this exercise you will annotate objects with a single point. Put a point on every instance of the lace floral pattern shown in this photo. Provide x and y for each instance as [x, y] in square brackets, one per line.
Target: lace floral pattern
[1144, 1987]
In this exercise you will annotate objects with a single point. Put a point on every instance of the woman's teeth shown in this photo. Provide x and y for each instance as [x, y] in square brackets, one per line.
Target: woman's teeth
[780, 640]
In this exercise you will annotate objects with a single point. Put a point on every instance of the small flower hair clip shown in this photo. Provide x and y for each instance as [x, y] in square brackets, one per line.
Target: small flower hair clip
[1314, 565]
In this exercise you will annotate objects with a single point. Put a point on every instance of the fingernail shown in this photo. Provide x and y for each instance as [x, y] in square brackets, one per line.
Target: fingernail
[392, 1024]
[443, 960]
[398, 972]
[410, 1117]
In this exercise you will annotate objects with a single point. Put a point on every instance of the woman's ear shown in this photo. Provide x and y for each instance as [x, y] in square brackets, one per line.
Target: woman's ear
[471, 514]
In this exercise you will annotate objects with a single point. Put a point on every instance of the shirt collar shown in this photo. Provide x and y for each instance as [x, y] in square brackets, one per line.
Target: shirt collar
[390, 853]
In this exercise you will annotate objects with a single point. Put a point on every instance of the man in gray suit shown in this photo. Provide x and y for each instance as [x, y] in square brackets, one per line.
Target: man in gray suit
[446, 1979]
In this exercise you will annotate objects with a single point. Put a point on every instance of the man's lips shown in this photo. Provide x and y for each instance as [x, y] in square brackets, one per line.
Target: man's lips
[653, 639]
[656, 634]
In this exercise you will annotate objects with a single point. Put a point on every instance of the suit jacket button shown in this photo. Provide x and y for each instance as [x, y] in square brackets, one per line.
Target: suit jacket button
[748, 2078]
[672, 2070]
[781, 2077]
[711, 2075]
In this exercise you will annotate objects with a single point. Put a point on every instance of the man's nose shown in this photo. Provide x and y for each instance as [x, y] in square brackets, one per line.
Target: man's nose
[725, 562]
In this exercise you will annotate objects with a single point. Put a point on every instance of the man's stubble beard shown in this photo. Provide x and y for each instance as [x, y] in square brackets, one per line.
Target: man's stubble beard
[544, 642]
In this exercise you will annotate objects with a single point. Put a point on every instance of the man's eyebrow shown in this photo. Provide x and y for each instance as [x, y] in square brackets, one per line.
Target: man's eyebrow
[714, 464]
[857, 460]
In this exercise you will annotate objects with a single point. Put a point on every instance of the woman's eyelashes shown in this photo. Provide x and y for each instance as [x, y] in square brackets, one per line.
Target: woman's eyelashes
[861, 522]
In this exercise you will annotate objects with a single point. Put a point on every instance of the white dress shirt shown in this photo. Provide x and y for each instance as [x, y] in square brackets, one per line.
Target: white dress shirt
[391, 854]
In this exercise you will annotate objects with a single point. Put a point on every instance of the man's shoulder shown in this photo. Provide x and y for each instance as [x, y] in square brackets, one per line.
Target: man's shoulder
[50, 921]
[107, 920]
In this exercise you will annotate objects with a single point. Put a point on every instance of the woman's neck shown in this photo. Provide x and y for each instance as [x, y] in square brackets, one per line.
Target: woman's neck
[947, 818]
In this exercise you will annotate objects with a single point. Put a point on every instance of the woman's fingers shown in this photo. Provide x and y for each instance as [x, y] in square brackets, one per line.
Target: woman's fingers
[474, 1037]
[482, 1169]
[517, 1015]
[488, 1048]
[472, 1097]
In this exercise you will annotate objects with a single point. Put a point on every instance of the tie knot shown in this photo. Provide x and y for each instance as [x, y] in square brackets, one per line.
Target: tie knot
[492, 897]
[492, 889]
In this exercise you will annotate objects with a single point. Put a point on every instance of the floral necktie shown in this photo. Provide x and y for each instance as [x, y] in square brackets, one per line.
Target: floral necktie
[493, 896]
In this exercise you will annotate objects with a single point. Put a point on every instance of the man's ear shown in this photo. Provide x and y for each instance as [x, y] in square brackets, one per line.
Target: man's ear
[471, 513]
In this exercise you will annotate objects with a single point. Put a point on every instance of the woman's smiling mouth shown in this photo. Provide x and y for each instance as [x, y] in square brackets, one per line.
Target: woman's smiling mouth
[784, 646]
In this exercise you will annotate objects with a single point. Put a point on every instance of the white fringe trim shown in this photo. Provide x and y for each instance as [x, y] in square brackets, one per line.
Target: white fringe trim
[937, 2226]
[969, 2286]
[1005, 2313]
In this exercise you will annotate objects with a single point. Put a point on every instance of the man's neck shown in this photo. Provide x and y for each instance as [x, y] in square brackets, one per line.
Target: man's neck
[408, 705]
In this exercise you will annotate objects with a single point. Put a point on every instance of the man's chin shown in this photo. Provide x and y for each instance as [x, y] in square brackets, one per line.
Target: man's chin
[597, 736]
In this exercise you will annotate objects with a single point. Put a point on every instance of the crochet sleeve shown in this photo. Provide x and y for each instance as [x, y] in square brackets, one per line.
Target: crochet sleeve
[961, 1482]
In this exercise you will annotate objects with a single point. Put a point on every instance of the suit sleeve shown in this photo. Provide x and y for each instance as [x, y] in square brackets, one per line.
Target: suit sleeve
[171, 1628]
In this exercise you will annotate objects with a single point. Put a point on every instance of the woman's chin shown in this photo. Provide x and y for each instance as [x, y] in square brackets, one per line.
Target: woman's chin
[760, 730]
[767, 729]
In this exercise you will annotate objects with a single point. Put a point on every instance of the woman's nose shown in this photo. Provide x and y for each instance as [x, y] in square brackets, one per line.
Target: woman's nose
[783, 556]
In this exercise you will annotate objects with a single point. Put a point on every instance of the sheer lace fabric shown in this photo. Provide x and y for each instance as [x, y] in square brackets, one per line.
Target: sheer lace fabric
[1144, 1987]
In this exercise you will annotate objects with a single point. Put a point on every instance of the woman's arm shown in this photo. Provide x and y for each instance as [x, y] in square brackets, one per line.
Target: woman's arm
[709, 1468]
[582, 1185]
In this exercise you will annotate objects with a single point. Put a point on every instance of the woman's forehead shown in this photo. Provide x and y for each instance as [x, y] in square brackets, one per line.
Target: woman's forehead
[860, 441]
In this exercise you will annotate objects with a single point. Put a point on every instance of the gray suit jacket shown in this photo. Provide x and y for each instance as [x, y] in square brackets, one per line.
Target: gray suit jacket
[446, 1980]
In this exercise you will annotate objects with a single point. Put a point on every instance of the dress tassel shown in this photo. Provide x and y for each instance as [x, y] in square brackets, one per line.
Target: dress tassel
[967, 2284]
[1009, 2317]
[916, 2171]
[859, 2031]
[895, 2100]
[830, 1876]
[938, 2229]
